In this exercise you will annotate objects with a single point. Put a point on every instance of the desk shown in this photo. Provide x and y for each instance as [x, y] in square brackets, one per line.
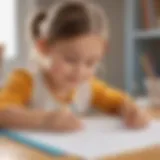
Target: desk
[10, 150]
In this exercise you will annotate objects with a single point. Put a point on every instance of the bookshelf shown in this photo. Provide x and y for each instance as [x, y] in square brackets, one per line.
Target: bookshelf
[139, 39]
[153, 33]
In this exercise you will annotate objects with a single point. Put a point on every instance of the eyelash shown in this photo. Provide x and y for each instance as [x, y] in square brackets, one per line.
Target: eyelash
[70, 59]
[74, 60]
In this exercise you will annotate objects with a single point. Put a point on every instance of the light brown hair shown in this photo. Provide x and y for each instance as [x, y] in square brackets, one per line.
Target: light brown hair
[67, 19]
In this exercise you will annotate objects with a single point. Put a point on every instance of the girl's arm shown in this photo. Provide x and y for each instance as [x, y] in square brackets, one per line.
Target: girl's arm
[110, 100]
[61, 121]
[107, 99]
[13, 97]
[15, 114]
[22, 118]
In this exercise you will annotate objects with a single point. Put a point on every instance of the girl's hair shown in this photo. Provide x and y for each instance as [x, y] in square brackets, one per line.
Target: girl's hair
[67, 19]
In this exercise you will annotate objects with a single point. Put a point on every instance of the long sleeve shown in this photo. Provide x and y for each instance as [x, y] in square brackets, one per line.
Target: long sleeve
[17, 91]
[105, 98]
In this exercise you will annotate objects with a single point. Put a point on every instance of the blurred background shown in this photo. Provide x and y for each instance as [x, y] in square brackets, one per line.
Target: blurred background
[133, 56]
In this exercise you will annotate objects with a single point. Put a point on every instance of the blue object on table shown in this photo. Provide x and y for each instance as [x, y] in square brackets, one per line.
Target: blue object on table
[21, 139]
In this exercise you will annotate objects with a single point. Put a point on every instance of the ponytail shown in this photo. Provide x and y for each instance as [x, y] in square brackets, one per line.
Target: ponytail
[36, 24]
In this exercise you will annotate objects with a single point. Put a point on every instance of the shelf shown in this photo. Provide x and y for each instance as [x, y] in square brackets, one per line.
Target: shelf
[147, 34]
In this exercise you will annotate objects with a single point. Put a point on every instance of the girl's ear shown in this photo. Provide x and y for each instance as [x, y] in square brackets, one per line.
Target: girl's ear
[41, 46]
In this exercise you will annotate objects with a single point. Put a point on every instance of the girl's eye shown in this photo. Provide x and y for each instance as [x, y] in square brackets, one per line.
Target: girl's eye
[70, 59]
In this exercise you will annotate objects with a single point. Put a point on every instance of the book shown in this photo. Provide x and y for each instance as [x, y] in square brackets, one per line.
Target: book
[152, 13]
[149, 14]
[157, 10]
[145, 9]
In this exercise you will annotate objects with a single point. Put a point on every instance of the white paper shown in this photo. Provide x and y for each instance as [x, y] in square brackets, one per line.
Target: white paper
[102, 136]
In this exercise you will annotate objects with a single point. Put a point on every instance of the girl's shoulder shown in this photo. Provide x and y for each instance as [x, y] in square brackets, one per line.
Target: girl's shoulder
[21, 75]
[98, 83]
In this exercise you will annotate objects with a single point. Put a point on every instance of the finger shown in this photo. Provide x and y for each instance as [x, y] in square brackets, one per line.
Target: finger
[74, 123]
[72, 119]
[64, 110]
[68, 124]
[68, 128]
[138, 122]
[128, 107]
[63, 126]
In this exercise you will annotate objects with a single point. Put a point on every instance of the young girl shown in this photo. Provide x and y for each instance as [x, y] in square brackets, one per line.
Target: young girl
[70, 40]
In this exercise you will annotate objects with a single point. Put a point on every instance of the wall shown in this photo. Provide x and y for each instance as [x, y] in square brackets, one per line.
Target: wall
[23, 9]
[115, 58]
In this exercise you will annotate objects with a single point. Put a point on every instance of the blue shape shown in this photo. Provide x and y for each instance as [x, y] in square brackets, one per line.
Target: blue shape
[21, 139]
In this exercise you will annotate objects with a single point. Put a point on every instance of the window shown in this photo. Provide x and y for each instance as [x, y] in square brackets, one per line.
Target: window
[8, 27]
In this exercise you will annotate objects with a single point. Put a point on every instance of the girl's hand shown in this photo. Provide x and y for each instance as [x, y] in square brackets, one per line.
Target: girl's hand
[134, 117]
[62, 121]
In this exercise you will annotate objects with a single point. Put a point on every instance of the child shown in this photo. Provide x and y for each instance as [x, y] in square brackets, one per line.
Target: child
[70, 40]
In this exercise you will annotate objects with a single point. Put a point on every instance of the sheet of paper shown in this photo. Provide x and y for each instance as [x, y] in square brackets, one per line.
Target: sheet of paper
[102, 136]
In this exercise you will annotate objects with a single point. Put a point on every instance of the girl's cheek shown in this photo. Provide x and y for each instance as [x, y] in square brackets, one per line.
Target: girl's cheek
[59, 68]
[89, 75]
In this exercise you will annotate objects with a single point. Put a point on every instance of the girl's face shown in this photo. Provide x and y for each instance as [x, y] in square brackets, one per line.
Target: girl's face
[75, 60]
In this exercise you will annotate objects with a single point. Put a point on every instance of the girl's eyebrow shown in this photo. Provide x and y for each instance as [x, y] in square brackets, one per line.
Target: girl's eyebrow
[70, 52]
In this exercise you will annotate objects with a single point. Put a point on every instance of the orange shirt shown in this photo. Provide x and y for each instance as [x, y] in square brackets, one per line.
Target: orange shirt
[19, 88]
